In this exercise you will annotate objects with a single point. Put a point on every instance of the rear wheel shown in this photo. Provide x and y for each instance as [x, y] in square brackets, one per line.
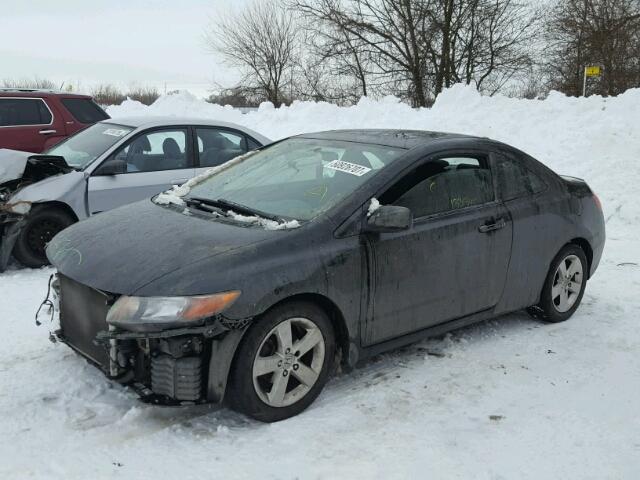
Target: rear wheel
[564, 285]
[283, 363]
[42, 225]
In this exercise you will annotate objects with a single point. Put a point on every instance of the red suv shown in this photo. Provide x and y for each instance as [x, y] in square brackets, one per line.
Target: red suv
[35, 120]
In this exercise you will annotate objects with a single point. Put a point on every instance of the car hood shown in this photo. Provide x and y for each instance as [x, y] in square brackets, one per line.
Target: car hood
[12, 164]
[123, 250]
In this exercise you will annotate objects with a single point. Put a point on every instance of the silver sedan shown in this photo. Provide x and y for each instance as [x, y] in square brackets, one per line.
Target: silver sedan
[109, 164]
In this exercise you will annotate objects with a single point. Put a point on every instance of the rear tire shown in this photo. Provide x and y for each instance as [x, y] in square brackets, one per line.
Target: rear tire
[564, 286]
[282, 363]
[42, 225]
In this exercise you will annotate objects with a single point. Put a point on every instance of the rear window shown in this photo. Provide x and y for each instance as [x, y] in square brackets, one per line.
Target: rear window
[23, 111]
[84, 110]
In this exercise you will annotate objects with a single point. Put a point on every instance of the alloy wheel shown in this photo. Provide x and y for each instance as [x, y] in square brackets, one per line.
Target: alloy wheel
[567, 283]
[288, 362]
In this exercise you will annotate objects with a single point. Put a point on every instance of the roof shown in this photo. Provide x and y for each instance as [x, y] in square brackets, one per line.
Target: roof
[390, 138]
[38, 93]
[170, 120]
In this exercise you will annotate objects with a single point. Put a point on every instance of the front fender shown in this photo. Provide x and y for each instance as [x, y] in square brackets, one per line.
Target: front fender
[70, 189]
[223, 352]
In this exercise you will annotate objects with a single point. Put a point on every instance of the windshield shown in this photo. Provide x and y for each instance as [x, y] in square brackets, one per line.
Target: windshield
[297, 178]
[85, 146]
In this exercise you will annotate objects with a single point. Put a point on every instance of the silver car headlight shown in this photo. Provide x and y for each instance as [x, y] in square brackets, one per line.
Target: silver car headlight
[159, 313]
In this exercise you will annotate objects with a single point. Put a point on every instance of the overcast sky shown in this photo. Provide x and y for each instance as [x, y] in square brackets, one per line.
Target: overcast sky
[144, 42]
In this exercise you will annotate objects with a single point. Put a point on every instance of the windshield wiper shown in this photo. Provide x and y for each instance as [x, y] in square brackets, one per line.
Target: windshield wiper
[223, 205]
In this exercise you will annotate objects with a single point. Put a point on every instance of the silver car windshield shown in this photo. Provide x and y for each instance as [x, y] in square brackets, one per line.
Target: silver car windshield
[297, 178]
[81, 149]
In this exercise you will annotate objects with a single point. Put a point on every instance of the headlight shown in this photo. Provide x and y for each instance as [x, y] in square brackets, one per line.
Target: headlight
[159, 313]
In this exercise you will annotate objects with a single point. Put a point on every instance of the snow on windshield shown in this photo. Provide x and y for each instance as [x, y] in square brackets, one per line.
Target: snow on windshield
[176, 194]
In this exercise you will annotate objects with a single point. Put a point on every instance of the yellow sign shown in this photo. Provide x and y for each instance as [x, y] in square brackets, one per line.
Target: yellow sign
[593, 71]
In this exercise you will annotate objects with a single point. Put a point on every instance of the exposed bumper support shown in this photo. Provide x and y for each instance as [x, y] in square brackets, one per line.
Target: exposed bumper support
[173, 367]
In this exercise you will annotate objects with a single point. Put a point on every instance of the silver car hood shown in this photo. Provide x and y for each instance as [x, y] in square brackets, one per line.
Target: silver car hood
[12, 164]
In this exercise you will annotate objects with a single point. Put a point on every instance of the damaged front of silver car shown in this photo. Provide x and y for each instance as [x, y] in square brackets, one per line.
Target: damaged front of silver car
[19, 171]
[12, 167]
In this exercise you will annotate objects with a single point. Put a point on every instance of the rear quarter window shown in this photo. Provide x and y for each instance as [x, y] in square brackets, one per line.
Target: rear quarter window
[16, 112]
[515, 179]
[84, 110]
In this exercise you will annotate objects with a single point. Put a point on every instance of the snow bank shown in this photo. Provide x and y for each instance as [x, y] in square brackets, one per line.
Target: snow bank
[593, 138]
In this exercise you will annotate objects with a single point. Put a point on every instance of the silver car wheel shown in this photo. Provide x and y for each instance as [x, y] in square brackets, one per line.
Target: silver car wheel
[567, 283]
[288, 362]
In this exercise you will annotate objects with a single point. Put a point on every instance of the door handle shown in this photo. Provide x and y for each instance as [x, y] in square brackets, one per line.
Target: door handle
[47, 132]
[490, 227]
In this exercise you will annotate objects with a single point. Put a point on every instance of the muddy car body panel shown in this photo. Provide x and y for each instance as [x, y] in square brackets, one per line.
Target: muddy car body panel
[380, 288]
[84, 190]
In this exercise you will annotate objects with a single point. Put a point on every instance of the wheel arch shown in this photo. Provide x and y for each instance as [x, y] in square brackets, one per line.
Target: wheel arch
[333, 312]
[56, 204]
[228, 347]
[586, 248]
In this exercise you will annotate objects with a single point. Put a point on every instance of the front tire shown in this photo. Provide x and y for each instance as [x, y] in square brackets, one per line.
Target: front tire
[42, 225]
[283, 362]
[564, 286]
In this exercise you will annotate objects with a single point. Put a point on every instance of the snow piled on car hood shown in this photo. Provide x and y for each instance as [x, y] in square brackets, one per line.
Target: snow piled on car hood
[12, 164]
[264, 222]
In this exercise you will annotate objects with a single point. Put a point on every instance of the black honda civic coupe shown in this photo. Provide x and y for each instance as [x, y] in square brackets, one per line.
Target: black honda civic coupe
[249, 284]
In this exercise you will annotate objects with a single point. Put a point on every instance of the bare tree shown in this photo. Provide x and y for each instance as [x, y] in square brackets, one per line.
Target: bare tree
[484, 42]
[28, 83]
[594, 32]
[262, 42]
[390, 32]
[428, 45]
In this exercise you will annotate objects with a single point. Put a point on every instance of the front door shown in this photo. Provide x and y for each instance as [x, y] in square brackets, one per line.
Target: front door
[149, 164]
[452, 262]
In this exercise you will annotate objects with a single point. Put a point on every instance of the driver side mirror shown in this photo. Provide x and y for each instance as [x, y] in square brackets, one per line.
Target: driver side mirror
[389, 218]
[112, 167]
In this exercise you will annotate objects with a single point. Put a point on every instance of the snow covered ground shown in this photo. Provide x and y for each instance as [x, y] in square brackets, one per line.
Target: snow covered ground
[511, 398]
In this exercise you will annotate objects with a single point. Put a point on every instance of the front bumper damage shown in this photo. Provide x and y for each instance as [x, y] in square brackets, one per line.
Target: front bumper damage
[11, 224]
[172, 367]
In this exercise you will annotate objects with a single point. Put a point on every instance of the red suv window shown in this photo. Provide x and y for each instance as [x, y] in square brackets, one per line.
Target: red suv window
[84, 110]
[23, 111]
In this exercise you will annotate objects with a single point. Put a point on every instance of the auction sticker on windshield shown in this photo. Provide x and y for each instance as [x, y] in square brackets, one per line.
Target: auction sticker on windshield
[114, 132]
[346, 167]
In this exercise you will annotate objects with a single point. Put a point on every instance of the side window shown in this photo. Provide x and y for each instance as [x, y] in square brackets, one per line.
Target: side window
[442, 185]
[217, 146]
[515, 180]
[155, 151]
[84, 110]
[23, 111]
